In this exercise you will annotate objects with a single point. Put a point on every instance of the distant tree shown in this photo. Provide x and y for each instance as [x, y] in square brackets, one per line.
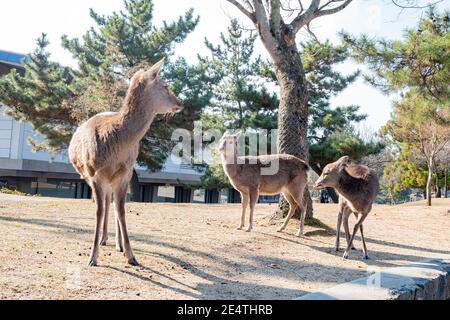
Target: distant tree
[444, 166]
[55, 99]
[417, 67]
[423, 127]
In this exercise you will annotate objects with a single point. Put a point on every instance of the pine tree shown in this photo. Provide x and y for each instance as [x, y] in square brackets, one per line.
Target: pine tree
[241, 99]
[418, 68]
[56, 99]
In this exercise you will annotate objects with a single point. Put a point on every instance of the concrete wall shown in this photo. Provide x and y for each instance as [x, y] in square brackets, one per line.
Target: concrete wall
[423, 280]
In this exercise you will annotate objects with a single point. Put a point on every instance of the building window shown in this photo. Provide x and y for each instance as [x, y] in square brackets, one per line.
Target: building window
[58, 189]
[223, 196]
[199, 196]
[166, 194]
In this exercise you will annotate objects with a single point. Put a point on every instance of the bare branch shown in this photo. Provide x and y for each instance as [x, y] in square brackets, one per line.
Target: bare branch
[303, 19]
[411, 4]
[262, 24]
[323, 12]
[237, 4]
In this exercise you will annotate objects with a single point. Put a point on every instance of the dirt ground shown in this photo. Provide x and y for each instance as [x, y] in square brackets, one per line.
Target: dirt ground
[189, 251]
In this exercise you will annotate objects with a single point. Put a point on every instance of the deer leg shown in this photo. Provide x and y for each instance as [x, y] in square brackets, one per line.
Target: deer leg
[100, 201]
[119, 244]
[244, 208]
[366, 257]
[302, 217]
[338, 229]
[105, 219]
[346, 216]
[253, 199]
[119, 203]
[360, 220]
[292, 208]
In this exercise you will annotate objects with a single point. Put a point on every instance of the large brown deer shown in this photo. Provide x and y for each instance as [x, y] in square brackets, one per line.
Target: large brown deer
[246, 174]
[104, 150]
[357, 186]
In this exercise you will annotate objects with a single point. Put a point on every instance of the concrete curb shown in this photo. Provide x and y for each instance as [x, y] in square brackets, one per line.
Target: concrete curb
[424, 280]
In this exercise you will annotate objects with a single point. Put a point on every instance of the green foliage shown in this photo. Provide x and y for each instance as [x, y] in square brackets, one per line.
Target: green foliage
[56, 99]
[46, 91]
[417, 67]
[421, 60]
[6, 190]
[339, 143]
[241, 99]
[406, 172]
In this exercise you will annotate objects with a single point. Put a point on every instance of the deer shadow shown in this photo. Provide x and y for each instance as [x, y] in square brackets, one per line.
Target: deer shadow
[218, 286]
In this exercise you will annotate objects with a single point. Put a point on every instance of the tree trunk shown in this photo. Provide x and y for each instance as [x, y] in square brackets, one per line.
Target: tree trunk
[429, 182]
[135, 188]
[333, 195]
[446, 182]
[438, 189]
[292, 112]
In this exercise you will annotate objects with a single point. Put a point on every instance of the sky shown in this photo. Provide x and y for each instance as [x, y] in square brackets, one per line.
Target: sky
[378, 18]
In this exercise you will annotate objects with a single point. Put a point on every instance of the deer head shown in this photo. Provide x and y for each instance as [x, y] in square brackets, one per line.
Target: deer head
[331, 174]
[227, 146]
[148, 90]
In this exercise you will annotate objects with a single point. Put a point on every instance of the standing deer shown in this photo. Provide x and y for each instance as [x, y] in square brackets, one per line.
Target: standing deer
[245, 174]
[357, 187]
[104, 150]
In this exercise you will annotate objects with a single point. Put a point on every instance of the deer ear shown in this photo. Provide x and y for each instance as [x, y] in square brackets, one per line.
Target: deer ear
[344, 160]
[238, 134]
[154, 71]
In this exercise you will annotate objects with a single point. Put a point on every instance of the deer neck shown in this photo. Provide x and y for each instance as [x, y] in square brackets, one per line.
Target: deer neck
[136, 120]
[230, 168]
[345, 185]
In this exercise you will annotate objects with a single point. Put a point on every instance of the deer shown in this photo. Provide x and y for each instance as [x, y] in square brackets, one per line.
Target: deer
[357, 186]
[246, 175]
[104, 149]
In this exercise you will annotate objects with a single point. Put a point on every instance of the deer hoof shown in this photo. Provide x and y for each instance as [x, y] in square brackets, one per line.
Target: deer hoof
[248, 229]
[103, 242]
[366, 257]
[240, 227]
[299, 234]
[353, 248]
[281, 229]
[119, 248]
[92, 263]
[345, 256]
[132, 261]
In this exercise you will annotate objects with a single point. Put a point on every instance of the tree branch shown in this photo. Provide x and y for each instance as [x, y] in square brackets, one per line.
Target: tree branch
[275, 17]
[262, 24]
[409, 4]
[333, 10]
[237, 4]
[303, 19]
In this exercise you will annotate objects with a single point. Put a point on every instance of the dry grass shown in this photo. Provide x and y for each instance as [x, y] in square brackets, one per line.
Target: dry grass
[195, 252]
